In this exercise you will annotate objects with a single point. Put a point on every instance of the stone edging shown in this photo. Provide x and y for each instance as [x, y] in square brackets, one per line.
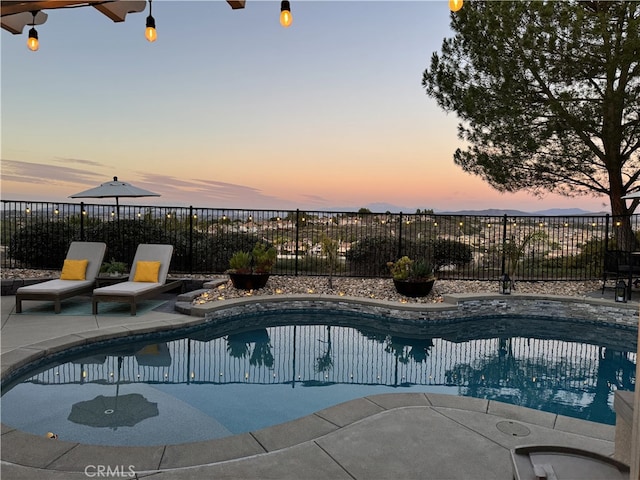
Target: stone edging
[452, 307]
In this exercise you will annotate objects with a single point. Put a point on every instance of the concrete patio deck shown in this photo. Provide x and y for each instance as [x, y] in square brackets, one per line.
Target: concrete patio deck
[403, 436]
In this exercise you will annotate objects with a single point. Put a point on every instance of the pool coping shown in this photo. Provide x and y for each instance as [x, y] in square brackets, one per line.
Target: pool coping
[73, 457]
[67, 456]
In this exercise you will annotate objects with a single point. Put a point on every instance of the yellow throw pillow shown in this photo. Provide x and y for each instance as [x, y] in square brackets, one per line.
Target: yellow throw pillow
[146, 271]
[74, 270]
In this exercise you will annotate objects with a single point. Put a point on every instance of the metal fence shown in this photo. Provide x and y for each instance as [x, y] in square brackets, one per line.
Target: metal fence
[37, 234]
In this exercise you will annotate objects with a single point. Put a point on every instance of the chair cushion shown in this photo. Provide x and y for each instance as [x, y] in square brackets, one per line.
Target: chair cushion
[126, 289]
[146, 271]
[56, 287]
[74, 269]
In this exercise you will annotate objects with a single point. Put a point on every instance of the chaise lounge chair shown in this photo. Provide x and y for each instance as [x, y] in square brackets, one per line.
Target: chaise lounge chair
[78, 276]
[147, 279]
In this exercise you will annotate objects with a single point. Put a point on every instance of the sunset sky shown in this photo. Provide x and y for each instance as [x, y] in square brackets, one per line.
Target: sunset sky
[228, 109]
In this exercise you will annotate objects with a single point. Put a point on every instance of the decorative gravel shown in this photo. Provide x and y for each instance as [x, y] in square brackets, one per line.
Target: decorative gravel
[378, 288]
[383, 289]
[16, 273]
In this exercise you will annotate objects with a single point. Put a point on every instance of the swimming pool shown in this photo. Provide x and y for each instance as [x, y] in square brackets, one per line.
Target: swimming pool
[264, 369]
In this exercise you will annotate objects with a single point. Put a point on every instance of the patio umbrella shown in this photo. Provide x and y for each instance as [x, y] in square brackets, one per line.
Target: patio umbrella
[115, 189]
[113, 411]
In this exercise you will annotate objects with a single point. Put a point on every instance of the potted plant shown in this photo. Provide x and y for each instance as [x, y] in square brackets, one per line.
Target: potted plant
[113, 268]
[412, 278]
[251, 270]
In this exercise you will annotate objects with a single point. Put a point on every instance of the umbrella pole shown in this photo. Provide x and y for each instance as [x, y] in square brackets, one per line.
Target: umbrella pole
[120, 236]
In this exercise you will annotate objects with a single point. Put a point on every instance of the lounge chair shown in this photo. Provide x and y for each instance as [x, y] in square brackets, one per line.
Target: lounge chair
[77, 276]
[147, 279]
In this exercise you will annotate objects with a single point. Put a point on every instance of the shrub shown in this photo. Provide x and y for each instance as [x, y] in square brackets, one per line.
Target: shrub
[220, 248]
[263, 257]
[449, 252]
[123, 237]
[369, 256]
[309, 265]
[410, 270]
[240, 262]
[43, 244]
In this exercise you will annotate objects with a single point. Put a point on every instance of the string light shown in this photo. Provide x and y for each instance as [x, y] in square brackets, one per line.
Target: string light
[455, 5]
[285, 14]
[32, 41]
[150, 32]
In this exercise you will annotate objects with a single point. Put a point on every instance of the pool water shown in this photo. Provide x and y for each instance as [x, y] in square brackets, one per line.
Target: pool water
[214, 382]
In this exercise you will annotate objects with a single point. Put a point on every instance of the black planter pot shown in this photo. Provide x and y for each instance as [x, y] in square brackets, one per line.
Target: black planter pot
[249, 281]
[414, 289]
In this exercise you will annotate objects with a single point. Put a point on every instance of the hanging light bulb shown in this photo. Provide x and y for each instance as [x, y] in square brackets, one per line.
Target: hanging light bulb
[285, 14]
[32, 41]
[455, 5]
[150, 33]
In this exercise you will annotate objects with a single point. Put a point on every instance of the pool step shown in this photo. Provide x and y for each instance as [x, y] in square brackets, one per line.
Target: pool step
[185, 300]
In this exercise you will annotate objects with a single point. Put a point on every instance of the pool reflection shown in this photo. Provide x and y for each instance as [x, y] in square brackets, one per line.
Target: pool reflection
[497, 359]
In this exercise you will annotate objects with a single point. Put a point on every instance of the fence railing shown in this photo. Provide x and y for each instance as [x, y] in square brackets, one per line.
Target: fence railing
[37, 235]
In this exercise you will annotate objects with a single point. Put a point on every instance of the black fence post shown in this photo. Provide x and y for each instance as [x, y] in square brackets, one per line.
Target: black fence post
[82, 221]
[504, 244]
[191, 239]
[399, 236]
[295, 248]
